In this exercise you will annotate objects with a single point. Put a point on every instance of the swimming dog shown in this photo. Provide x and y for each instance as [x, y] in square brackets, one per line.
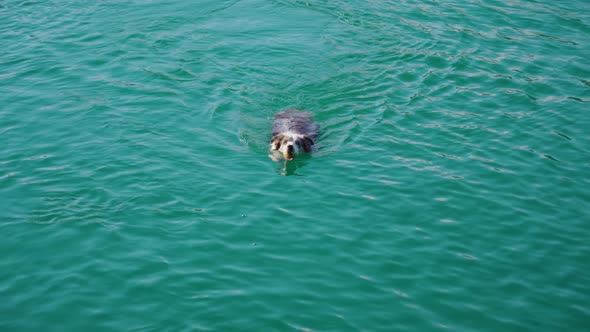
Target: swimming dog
[293, 132]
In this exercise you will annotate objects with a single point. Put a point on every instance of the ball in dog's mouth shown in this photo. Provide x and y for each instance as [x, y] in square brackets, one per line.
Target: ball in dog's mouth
[290, 154]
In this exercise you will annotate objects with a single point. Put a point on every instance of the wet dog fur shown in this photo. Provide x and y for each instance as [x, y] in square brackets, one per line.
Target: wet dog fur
[293, 133]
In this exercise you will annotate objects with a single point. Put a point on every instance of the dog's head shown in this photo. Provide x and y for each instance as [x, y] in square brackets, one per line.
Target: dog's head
[290, 145]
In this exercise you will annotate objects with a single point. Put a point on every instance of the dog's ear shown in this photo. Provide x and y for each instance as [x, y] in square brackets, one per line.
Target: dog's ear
[307, 143]
[276, 142]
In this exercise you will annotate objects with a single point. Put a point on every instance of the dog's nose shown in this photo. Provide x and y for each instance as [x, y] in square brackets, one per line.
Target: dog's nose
[289, 155]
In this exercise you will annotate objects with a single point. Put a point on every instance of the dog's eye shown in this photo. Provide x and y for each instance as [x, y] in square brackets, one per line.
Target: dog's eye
[298, 143]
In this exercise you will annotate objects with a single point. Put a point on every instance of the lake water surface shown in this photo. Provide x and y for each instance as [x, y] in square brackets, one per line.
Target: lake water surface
[450, 193]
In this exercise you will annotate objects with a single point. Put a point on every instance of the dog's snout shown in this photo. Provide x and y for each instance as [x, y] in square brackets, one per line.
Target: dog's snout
[290, 148]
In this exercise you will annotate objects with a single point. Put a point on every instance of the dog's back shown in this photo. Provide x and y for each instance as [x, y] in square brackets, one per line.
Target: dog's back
[294, 121]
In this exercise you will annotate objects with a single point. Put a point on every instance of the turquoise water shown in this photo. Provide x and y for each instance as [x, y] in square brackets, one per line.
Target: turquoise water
[450, 192]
